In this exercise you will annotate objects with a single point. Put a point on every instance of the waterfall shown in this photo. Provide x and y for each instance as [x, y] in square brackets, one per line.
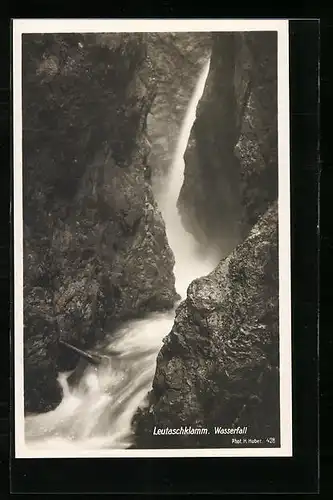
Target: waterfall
[189, 263]
[96, 412]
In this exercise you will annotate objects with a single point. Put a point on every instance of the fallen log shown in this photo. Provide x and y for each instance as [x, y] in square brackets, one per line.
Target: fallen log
[86, 358]
[94, 359]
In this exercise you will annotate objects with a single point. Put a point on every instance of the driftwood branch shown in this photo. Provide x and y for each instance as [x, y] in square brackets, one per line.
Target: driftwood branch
[93, 358]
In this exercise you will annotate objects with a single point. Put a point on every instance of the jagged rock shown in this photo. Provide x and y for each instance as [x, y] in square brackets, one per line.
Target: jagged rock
[95, 248]
[219, 365]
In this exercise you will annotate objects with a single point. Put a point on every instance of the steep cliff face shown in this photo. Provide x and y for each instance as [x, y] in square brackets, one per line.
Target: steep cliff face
[95, 249]
[219, 366]
[231, 160]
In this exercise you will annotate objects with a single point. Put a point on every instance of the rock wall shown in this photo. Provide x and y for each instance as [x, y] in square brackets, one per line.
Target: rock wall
[219, 366]
[231, 160]
[95, 248]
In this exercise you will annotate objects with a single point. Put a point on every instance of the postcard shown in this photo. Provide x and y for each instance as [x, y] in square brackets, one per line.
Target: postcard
[152, 303]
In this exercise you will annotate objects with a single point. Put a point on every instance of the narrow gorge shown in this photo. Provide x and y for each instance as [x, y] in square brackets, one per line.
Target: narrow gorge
[219, 366]
[150, 237]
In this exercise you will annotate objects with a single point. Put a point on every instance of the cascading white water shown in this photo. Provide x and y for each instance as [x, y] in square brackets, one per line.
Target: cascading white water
[97, 412]
[189, 263]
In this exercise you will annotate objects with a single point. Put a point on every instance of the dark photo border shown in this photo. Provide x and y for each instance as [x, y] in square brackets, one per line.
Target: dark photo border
[298, 474]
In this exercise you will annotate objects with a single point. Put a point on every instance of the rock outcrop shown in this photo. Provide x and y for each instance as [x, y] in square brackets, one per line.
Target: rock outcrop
[219, 366]
[95, 248]
[230, 173]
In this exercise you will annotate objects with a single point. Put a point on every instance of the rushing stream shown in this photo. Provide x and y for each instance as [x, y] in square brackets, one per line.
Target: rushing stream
[96, 411]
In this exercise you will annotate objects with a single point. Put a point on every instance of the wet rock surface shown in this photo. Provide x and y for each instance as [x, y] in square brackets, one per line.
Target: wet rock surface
[230, 175]
[97, 135]
[95, 248]
[219, 365]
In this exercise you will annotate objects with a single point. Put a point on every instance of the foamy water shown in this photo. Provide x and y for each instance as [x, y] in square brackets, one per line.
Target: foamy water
[96, 413]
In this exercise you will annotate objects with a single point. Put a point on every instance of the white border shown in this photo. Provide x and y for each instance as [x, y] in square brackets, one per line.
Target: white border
[21, 26]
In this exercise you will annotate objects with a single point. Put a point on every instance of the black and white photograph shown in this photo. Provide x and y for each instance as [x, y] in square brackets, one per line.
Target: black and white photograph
[151, 238]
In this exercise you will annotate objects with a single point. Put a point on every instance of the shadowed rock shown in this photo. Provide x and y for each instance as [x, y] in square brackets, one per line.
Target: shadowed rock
[219, 366]
[230, 176]
[95, 247]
